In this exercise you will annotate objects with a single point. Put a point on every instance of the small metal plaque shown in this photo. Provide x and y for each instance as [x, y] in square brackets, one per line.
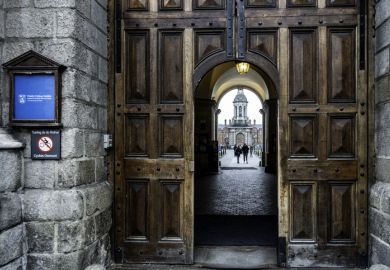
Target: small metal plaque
[46, 144]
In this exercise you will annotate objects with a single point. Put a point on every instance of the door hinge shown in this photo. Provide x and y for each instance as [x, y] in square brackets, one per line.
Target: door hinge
[118, 34]
[241, 29]
[230, 28]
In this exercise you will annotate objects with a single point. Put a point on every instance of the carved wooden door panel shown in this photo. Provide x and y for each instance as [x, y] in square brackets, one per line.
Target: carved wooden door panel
[322, 128]
[319, 49]
[161, 42]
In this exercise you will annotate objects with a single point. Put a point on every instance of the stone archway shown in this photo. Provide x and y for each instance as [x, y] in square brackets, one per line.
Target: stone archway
[240, 139]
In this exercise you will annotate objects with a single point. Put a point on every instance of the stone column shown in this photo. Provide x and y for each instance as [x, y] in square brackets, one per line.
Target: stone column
[66, 203]
[379, 212]
[12, 231]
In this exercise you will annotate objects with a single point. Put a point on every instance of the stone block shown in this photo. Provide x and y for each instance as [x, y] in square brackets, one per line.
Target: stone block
[382, 63]
[100, 170]
[383, 141]
[2, 29]
[95, 267]
[72, 141]
[30, 23]
[11, 243]
[66, 23]
[76, 85]
[8, 142]
[382, 89]
[63, 50]
[11, 170]
[103, 3]
[10, 210]
[76, 172]
[94, 144]
[13, 49]
[379, 267]
[84, 6]
[382, 171]
[385, 200]
[379, 251]
[79, 115]
[92, 63]
[379, 225]
[376, 195]
[102, 119]
[76, 235]
[17, 264]
[103, 223]
[99, 16]
[53, 205]
[54, 3]
[382, 116]
[98, 253]
[98, 197]
[17, 3]
[40, 237]
[40, 174]
[99, 93]
[55, 261]
[4, 115]
[24, 136]
[382, 11]
[383, 35]
[103, 72]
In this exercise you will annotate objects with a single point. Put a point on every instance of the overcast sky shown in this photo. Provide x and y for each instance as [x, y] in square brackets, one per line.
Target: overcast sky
[226, 106]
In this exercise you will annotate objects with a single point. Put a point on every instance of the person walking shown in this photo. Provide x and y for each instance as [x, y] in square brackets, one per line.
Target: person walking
[245, 150]
[237, 153]
[251, 149]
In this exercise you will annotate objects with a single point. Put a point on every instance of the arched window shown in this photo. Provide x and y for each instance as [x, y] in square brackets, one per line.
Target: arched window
[235, 111]
[240, 111]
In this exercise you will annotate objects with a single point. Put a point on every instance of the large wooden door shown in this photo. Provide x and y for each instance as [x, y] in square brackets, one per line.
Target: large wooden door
[315, 48]
[322, 133]
[155, 59]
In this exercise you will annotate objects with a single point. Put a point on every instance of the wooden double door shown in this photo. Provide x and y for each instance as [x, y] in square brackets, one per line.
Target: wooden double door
[311, 52]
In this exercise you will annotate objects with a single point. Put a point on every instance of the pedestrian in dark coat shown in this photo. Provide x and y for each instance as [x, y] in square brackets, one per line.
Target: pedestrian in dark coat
[245, 150]
[237, 153]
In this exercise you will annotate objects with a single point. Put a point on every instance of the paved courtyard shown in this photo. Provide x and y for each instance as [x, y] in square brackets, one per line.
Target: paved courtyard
[239, 189]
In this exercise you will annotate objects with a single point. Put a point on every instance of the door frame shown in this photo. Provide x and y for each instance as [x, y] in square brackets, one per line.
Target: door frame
[269, 71]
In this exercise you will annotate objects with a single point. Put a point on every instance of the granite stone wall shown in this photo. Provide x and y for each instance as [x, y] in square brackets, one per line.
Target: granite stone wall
[13, 243]
[64, 213]
[379, 212]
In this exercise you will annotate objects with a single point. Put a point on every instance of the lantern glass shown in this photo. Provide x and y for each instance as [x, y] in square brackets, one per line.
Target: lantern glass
[242, 67]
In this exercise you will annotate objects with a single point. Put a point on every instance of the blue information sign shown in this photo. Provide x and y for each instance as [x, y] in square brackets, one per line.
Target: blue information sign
[34, 97]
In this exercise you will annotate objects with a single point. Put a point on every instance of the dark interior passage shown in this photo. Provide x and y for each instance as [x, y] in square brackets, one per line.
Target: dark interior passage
[215, 230]
[237, 206]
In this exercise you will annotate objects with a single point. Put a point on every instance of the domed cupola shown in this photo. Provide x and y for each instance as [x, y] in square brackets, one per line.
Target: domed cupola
[240, 97]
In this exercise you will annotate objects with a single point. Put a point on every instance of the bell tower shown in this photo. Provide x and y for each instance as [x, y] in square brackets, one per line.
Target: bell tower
[240, 105]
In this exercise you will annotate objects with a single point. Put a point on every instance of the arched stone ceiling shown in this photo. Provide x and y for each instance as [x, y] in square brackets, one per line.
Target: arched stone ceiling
[231, 79]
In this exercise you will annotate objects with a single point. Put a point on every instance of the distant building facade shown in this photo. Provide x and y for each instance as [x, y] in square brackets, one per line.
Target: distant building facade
[240, 129]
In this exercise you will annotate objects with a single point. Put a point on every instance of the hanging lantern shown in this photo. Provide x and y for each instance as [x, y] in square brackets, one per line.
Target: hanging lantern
[242, 67]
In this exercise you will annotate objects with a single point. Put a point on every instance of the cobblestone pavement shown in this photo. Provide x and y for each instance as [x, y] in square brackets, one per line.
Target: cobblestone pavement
[239, 189]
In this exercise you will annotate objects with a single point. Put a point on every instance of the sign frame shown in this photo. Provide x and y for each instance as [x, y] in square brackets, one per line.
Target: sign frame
[34, 64]
[46, 144]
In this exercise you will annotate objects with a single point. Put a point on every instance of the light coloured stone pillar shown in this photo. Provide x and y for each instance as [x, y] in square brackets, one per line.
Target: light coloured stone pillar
[67, 203]
[379, 212]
